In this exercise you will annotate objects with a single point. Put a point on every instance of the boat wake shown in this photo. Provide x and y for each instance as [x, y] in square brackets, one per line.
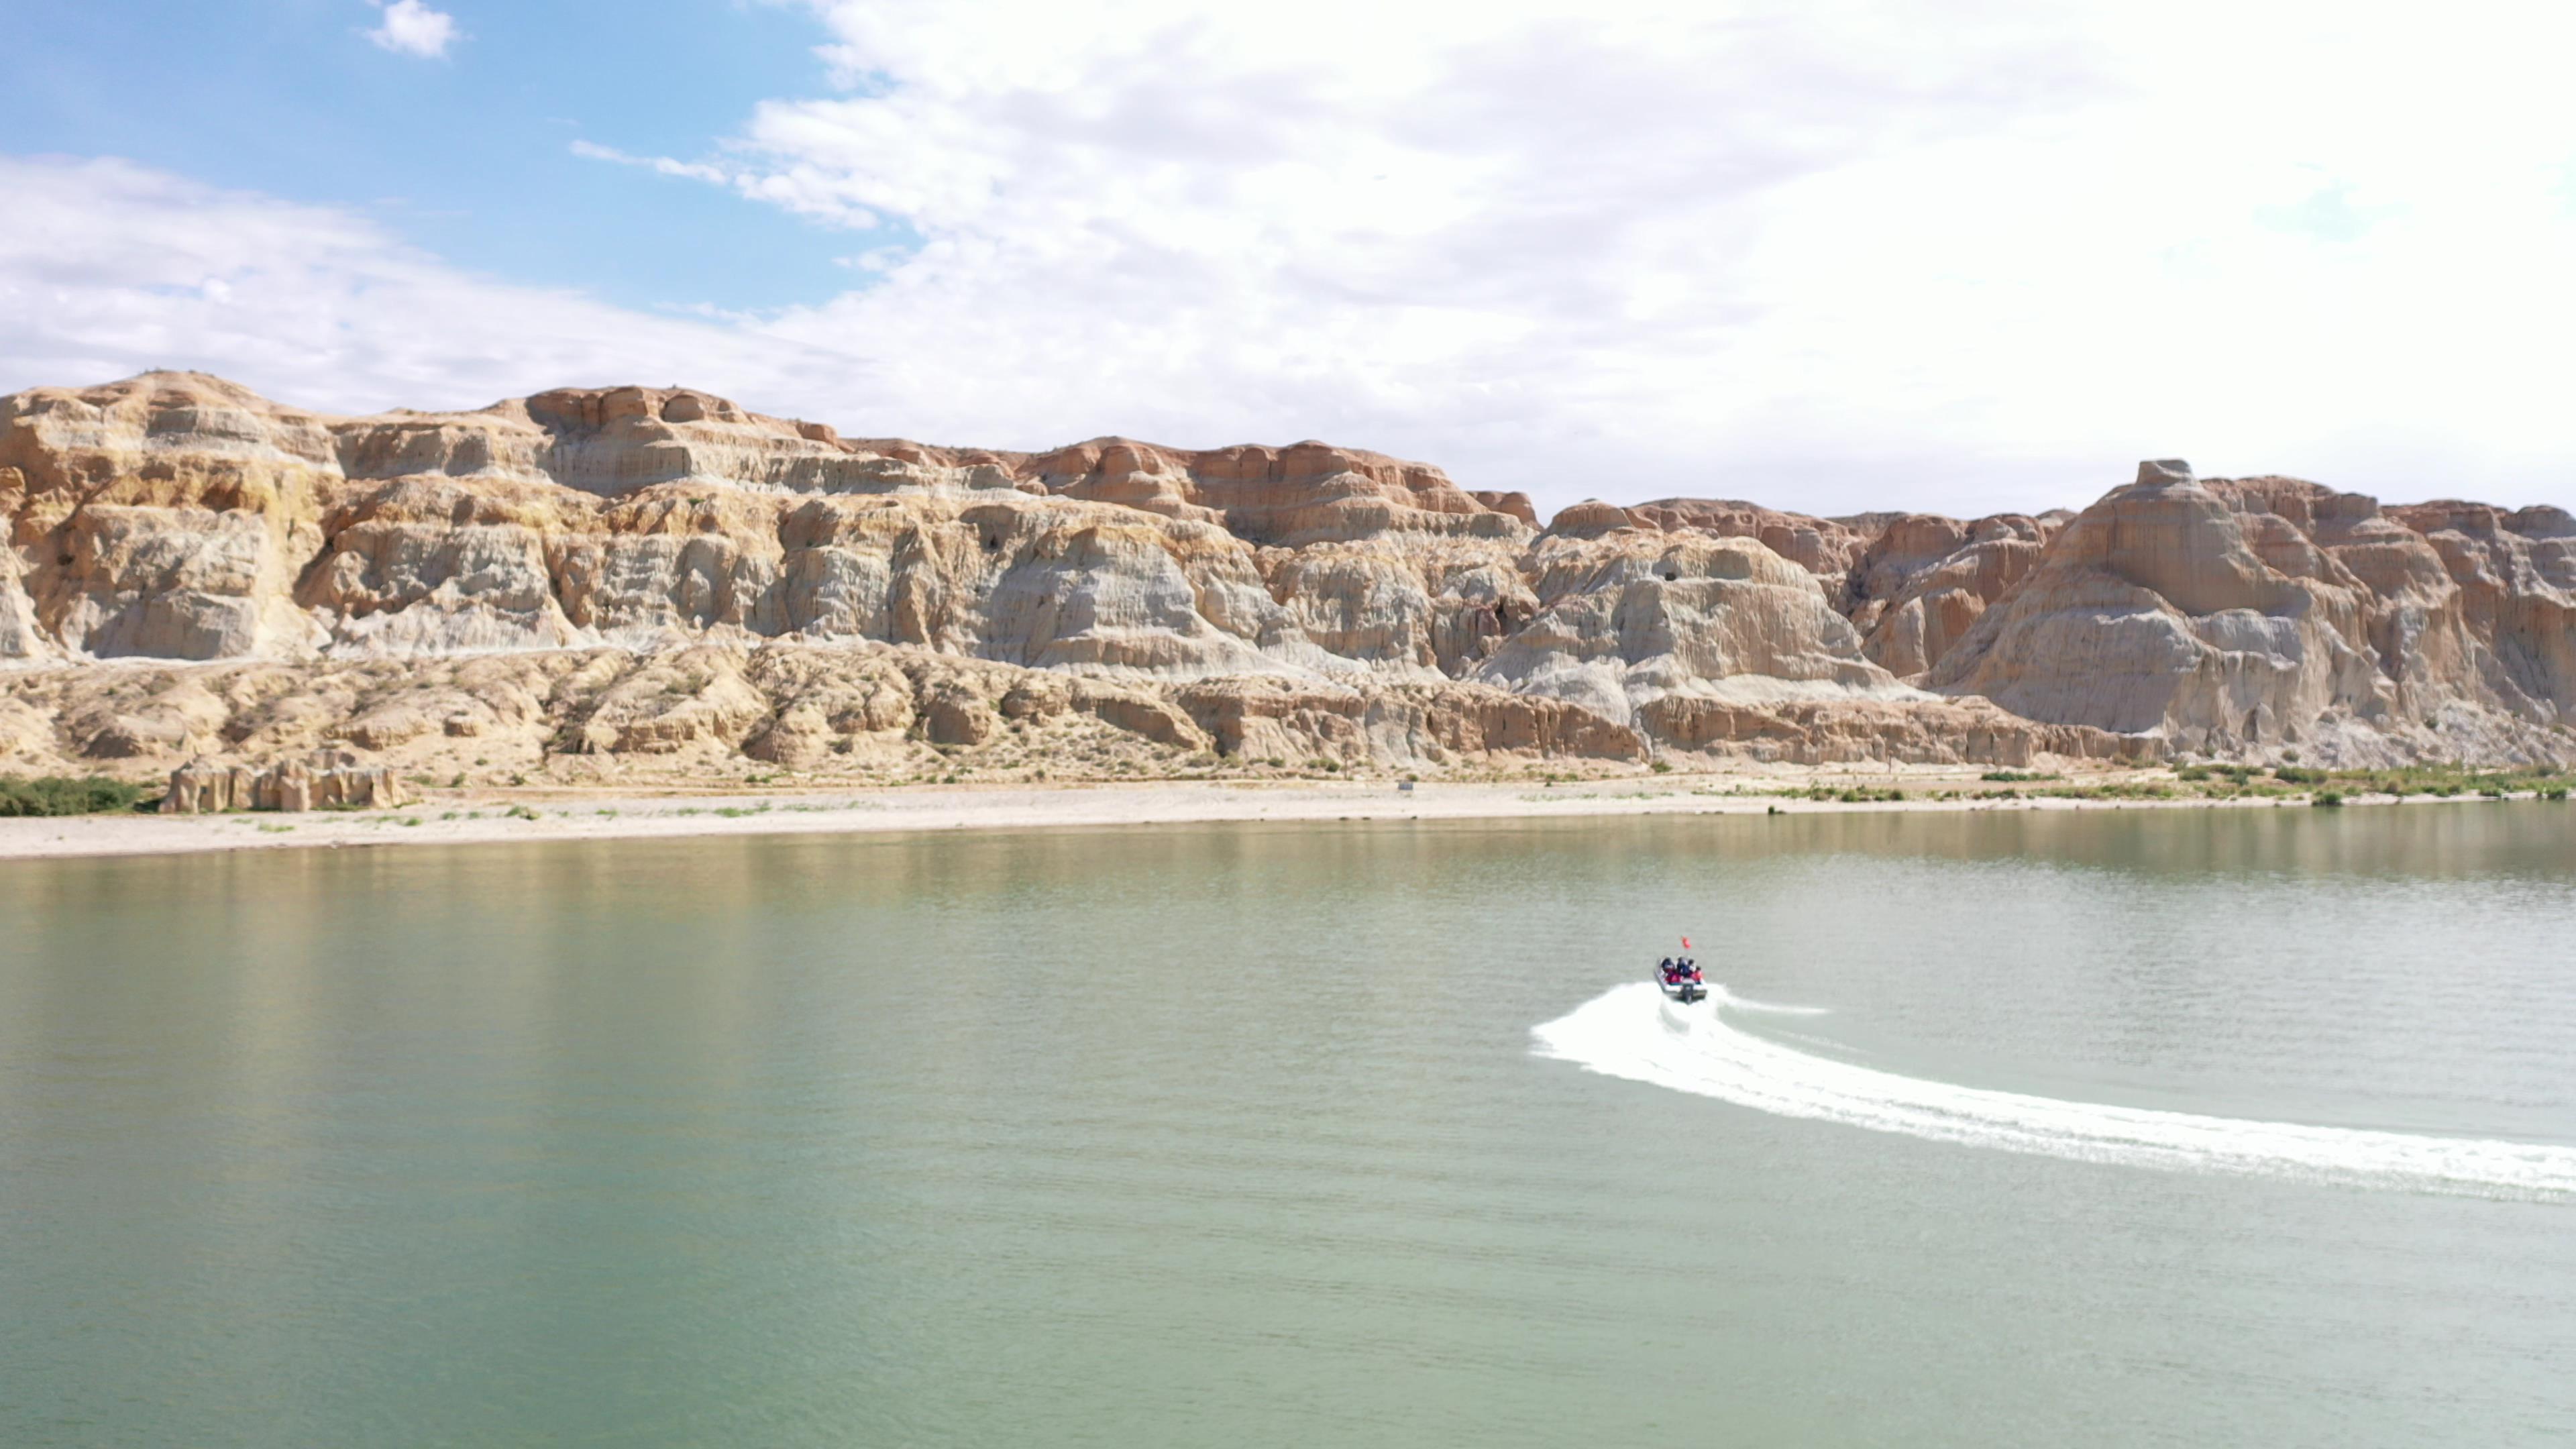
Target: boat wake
[1632, 1032]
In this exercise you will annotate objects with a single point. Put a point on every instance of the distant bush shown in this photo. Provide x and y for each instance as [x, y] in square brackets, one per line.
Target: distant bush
[2328, 799]
[2554, 792]
[2112, 790]
[61, 795]
[2236, 776]
[2019, 775]
[2446, 782]
[1849, 794]
[2296, 776]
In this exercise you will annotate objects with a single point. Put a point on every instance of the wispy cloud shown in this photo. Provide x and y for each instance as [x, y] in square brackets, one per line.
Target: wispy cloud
[695, 171]
[114, 268]
[412, 28]
[758, 185]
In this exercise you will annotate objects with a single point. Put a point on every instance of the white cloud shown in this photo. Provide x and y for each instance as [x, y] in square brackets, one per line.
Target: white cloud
[664, 165]
[412, 28]
[109, 269]
[1826, 255]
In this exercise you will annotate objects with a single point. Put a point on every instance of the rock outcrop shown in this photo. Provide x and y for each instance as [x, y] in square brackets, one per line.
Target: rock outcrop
[1624, 621]
[328, 782]
[2254, 616]
[605, 579]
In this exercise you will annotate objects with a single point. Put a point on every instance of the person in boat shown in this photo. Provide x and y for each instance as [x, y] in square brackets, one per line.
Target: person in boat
[1667, 969]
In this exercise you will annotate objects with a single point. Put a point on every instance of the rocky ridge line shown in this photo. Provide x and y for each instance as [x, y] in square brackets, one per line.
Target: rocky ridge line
[590, 581]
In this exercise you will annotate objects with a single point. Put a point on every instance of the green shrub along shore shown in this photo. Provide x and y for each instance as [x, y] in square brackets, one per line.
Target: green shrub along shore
[55, 795]
[2440, 781]
[2238, 782]
[62, 795]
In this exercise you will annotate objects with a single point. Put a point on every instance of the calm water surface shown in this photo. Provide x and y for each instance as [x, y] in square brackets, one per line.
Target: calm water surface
[1236, 1135]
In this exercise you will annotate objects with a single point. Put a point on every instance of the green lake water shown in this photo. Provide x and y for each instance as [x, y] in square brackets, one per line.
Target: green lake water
[2114, 1128]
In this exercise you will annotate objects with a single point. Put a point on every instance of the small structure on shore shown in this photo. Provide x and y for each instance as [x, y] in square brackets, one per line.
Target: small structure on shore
[329, 778]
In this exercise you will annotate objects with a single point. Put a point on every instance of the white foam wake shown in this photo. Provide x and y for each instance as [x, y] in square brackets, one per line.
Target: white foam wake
[1633, 1032]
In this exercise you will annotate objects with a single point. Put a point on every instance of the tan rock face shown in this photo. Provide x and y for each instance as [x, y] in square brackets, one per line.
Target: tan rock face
[2516, 576]
[863, 710]
[1630, 616]
[1911, 583]
[1826, 547]
[659, 574]
[1305, 493]
[1961, 732]
[329, 780]
[1923, 582]
[2264, 614]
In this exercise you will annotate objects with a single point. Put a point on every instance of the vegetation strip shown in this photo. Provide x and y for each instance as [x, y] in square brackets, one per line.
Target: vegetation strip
[64, 795]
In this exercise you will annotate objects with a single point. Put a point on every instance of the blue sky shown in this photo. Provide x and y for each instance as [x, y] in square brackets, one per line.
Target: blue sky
[1826, 254]
[464, 154]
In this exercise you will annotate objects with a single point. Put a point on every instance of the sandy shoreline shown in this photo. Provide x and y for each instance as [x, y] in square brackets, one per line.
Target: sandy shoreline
[472, 817]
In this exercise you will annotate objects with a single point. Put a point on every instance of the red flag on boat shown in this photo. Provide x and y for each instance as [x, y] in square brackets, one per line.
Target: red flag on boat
[1686, 945]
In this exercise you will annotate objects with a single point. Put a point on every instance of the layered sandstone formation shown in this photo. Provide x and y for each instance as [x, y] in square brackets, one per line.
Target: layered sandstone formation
[602, 582]
[332, 780]
[2236, 618]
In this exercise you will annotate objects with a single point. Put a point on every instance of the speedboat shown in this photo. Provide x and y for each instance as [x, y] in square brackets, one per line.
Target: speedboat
[1682, 984]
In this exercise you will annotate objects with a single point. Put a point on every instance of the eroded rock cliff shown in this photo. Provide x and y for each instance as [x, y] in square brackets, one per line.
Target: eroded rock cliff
[2257, 615]
[598, 580]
